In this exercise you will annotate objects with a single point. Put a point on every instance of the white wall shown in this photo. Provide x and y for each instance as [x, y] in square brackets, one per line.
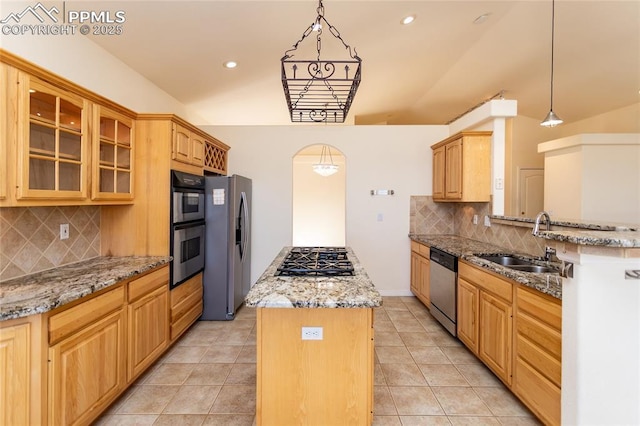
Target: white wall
[377, 157]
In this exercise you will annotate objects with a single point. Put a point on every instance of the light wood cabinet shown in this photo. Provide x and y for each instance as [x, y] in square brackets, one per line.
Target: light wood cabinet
[323, 382]
[462, 168]
[53, 142]
[188, 146]
[186, 305]
[420, 265]
[113, 155]
[215, 156]
[87, 364]
[485, 316]
[468, 314]
[55, 146]
[495, 336]
[14, 374]
[538, 353]
[147, 320]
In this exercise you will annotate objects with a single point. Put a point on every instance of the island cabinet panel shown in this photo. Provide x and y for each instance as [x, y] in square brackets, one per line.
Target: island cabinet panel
[314, 382]
[420, 265]
[538, 353]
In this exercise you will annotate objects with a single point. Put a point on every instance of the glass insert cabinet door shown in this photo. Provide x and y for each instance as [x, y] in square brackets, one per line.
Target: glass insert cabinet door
[53, 159]
[112, 155]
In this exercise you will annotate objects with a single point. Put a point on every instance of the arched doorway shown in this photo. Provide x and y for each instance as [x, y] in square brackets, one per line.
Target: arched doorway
[319, 214]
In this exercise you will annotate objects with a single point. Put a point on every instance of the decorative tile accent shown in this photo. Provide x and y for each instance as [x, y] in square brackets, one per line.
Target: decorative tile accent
[29, 238]
[429, 217]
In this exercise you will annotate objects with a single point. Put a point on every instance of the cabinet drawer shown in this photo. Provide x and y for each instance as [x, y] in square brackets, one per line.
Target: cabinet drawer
[539, 333]
[538, 393]
[540, 306]
[84, 314]
[146, 284]
[186, 290]
[487, 281]
[545, 363]
[420, 249]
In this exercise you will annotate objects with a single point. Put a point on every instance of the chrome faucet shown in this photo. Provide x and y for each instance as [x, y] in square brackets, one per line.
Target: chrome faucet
[547, 219]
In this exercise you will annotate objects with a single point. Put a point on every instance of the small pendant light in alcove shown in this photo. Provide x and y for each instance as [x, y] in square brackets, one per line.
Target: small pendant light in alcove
[552, 120]
[325, 167]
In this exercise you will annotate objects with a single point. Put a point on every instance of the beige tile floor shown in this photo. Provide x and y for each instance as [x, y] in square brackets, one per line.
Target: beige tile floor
[423, 376]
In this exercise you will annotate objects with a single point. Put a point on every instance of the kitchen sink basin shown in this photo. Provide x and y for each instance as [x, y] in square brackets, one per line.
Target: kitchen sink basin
[518, 264]
[533, 268]
[507, 260]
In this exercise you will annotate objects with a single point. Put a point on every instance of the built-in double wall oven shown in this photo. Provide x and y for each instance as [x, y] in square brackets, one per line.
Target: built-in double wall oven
[187, 226]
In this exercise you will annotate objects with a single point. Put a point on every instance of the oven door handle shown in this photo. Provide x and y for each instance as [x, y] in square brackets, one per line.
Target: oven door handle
[185, 225]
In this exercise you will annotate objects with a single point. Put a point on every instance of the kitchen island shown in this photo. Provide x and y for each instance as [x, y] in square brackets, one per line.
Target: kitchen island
[314, 346]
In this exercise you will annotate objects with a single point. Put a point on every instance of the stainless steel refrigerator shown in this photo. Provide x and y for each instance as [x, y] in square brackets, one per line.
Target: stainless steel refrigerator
[227, 268]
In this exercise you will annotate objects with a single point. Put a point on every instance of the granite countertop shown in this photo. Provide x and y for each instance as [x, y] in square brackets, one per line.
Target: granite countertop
[469, 250]
[271, 291]
[47, 290]
[587, 233]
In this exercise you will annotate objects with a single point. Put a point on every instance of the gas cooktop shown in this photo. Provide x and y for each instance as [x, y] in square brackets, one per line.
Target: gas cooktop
[316, 261]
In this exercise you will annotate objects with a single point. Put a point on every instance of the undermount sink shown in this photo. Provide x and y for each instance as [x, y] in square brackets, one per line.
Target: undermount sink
[518, 264]
[506, 260]
[533, 268]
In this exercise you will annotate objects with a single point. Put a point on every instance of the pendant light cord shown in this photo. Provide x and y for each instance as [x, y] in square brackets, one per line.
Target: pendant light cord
[553, 26]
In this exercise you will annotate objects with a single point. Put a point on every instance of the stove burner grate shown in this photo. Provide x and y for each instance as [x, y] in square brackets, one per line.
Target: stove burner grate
[316, 261]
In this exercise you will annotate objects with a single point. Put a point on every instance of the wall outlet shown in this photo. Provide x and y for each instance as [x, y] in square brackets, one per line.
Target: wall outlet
[475, 219]
[64, 231]
[487, 221]
[380, 217]
[311, 333]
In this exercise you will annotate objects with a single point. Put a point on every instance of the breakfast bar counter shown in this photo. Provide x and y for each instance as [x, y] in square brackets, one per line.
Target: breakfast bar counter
[314, 342]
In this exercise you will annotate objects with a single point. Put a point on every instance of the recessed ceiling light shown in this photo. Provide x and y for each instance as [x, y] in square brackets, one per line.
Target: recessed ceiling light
[480, 19]
[230, 64]
[408, 19]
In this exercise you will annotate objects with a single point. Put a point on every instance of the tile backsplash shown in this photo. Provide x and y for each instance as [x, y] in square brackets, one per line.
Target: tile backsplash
[429, 217]
[30, 238]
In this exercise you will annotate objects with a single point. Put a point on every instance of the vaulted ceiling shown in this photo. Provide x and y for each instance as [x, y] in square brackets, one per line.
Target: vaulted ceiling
[427, 72]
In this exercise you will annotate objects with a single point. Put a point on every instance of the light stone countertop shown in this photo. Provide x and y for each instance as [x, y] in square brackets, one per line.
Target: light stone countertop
[47, 290]
[271, 291]
[469, 250]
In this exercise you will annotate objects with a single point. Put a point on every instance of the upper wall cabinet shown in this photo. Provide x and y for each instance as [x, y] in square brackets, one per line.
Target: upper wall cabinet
[112, 155]
[462, 168]
[188, 147]
[52, 142]
[60, 144]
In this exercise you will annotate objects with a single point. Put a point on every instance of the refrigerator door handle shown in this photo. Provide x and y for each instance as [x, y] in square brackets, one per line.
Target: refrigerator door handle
[243, 220]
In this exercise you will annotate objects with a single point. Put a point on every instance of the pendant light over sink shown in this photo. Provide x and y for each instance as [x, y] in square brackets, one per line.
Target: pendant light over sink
[325, 167]
[552, 120]
[320, 90]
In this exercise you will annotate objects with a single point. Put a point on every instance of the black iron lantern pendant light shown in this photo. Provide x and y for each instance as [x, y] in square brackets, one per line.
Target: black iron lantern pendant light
[320, 90]
[552, 120]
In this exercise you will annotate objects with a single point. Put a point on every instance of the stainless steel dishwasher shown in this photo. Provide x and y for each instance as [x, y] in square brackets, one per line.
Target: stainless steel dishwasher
[443, 277]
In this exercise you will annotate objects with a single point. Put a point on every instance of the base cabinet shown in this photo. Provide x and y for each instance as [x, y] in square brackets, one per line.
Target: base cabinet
[314, 382]
[186, 305]
[86, 371]
[14, 374]
[538, 353]
[148, 327]
[485, 318]
[420, 265]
